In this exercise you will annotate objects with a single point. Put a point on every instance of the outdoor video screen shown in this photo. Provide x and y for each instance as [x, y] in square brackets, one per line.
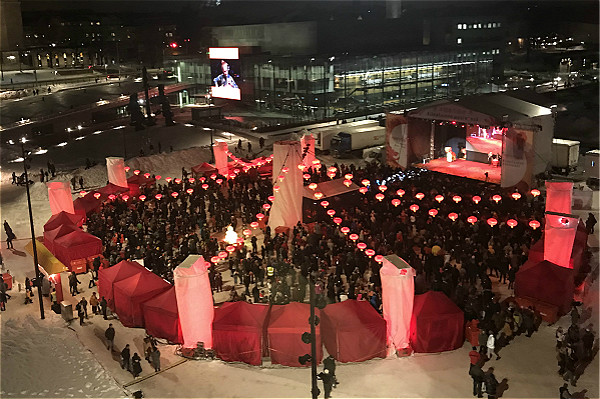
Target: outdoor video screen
[225, 72]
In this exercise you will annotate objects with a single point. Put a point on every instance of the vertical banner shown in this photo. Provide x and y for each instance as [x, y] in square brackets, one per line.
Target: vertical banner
[115, 169]
[559, 196]
[220, 152]
[59, 195]
[517, 158]
[559, 237]
[287, 206]
[398, 292]
[194, 301]
[396, 140]
[308, 149]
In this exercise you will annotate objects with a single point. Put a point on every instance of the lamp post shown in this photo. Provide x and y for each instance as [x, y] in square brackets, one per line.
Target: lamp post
[313, 344]
[33, 242]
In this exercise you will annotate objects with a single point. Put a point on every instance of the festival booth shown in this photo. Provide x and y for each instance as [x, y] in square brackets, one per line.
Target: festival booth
[51, 235]
[336, 192]
[73, 249]
[286, 325]
[238, 331]
[204, 169]
[161, 318]
[85, 205]
[547, 286]
[110, 275]
[48, 265]
[131, 292]
[109, 189]
[437, 324]
[62, 218]
[140, 180]
[353, 331]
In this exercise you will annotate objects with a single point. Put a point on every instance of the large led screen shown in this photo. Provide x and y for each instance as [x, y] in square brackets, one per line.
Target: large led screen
[225, 72]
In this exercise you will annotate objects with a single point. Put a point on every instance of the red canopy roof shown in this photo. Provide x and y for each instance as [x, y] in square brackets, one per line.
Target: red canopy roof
[161, 317]
[203, 168]
[131, 292]
[546, 282]
[51, 235]
[62, 218]
[141, 180]
[76, 245]
[108, 276]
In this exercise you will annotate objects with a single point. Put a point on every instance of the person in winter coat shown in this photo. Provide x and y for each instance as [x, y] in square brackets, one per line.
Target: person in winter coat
[73, 281]
[103, 307]
[94, 303]
[491, 345]
[478, 377]
[109, 334]
[327, 379]
[125, 354]
[155, 359]
[28, 286]
[136, 365]
[83, 302]
[80, 313]
[491, 384]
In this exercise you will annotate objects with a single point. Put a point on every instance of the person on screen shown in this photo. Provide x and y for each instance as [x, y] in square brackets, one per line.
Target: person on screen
[225, 79]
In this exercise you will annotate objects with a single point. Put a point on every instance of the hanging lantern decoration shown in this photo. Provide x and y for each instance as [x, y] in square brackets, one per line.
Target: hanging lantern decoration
[202, 179]
[362, 246]
[147, 175]
[247, 232]
[178, 181]
[453, 216]
[285, 169]
[472, 219]
[254, 225]
[266, 207]
[345, 230]
[219, 181]
[400, 192]
[142, 197]
[318, 195]
[301, 167]
[82, 193]
[457, 198]
[347, 183]
[331, 212]
[191, 180]
[379, 196]
[230, 248]
[168, 179]
[363, 190]
[236, 171]
[97, 195]
[337, 220]
[215, 259]
[353, 236]
[365, 182]
[276, 189]
[496, 198]
[511, 223]
[136, 172]
[331, 175]
[190, 190]
[174, 194]
[158, 177]
[127, 168]
[379, 258]
[516, 196]
[222, 255]
[125, 197]
[414, 207]
[370, 253]
[260, 216]
[382, 188]
[158, 196]
[332, 169]
[324, 204]
[213, 176]
[205, 186]
[271, 198]
[492, 222]
[439, 198]
[348, 176]
[395, 202]
[433, 212]
[281, 177]
[535, 192]
[313, 186]
[534, 224]
[306, 176]
[420, 196]
[112, 197]
[476, 199]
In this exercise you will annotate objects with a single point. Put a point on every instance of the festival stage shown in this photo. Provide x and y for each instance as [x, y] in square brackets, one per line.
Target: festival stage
[483, 145]
[463, 168]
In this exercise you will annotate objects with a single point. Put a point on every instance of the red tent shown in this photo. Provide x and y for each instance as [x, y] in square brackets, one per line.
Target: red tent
[353, 331]
[141, 180]
[238, 329]
[437, 324]
[51, 235]
[62, 218]
[546, 282]
[86, 205]
[131, 292]
[203, 168]
[108, 276]
[76, 245]
[161, 318]
[111, 188]
[286, 325]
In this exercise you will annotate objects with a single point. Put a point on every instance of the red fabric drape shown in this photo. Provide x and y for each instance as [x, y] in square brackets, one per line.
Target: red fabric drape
[130, 293]
[76, 245]
[108, 276]
[546, 282]
[559, 237]
[559, 196]
[161, 318]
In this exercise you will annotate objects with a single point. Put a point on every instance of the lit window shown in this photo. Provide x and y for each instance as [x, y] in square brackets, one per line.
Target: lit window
[470, 26]
[499, 25]
[459, 26]
[458, 40]
[489, 25]
[479, 26]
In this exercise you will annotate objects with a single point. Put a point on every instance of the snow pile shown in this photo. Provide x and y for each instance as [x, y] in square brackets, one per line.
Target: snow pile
[47, 360]
[170, 164]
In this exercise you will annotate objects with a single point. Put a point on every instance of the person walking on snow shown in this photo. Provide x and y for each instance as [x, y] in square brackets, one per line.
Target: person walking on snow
[491, 344]
[155, 359]
[109, 334]
[103, 307]
[125, 353]
[94, 303]
[136, 365]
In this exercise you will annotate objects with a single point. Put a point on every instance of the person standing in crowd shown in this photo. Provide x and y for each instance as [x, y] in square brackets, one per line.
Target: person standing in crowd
[109, 334]
[92, 279]
[327, 379]
[103, 307]
[155, 359]
[590, 223]
[491, 345]
[73, 281]
[125, 354]
[80, 312]
[491, 384]
[136, 365]
[94, 303]
[83, 302]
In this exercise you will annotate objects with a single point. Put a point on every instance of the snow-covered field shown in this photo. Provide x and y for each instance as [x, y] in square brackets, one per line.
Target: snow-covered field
[47, 359]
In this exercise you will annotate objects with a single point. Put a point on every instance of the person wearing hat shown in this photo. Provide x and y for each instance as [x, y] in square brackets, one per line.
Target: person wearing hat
[328, 380]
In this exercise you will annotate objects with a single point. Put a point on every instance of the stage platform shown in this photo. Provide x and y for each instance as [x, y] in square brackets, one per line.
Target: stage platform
[463, 168]
[485, 146]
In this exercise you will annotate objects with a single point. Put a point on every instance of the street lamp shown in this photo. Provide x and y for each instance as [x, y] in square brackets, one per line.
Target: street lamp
[311, 338]
[33, 242]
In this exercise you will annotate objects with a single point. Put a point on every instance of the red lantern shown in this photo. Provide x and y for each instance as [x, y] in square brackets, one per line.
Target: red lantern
[125, 197]
[205, 186]
[453, 216]
[497, 198]
[400, 192]
[313, 186]
[219, 181]
[511, 223]
[97, 195]
[370, 253]
[158, 196]
[285, 169]
[439, 198]
[271, 198]
[516, 196]
[168, 179]
[457, 198]
[247, 232]
[82, 193]
[332, 169]
[347, 183]
[395, 202]
[472, 219]
[420, 196]
[349, 176]
[318, 195]
[306, 176]
[379, 258]
[414, 207]
[337, 221]
[266, 207]
[301, 167]
[476, 199]
[254, 225]
[331, 175]
[174, 194]
[345, 230]
[492, 222]
[353, 236]
[382, 188]
[535, 192]
[157, 177]
[191, 180]
[147, 175]
[281, 177]
[363, 190]
[142, 197]
[260, 216]
[215, 259]
[365, 182]
[222, 255]
[379, 196]
[331, 212]
[190, 190]
[202, 179]
[534, 224]
[127, 168]
[276, 189]
[324, 204]
[362, 246]
[230, 248]
[433, 212]
[213, 176]
[136, 172]
[112, 197]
